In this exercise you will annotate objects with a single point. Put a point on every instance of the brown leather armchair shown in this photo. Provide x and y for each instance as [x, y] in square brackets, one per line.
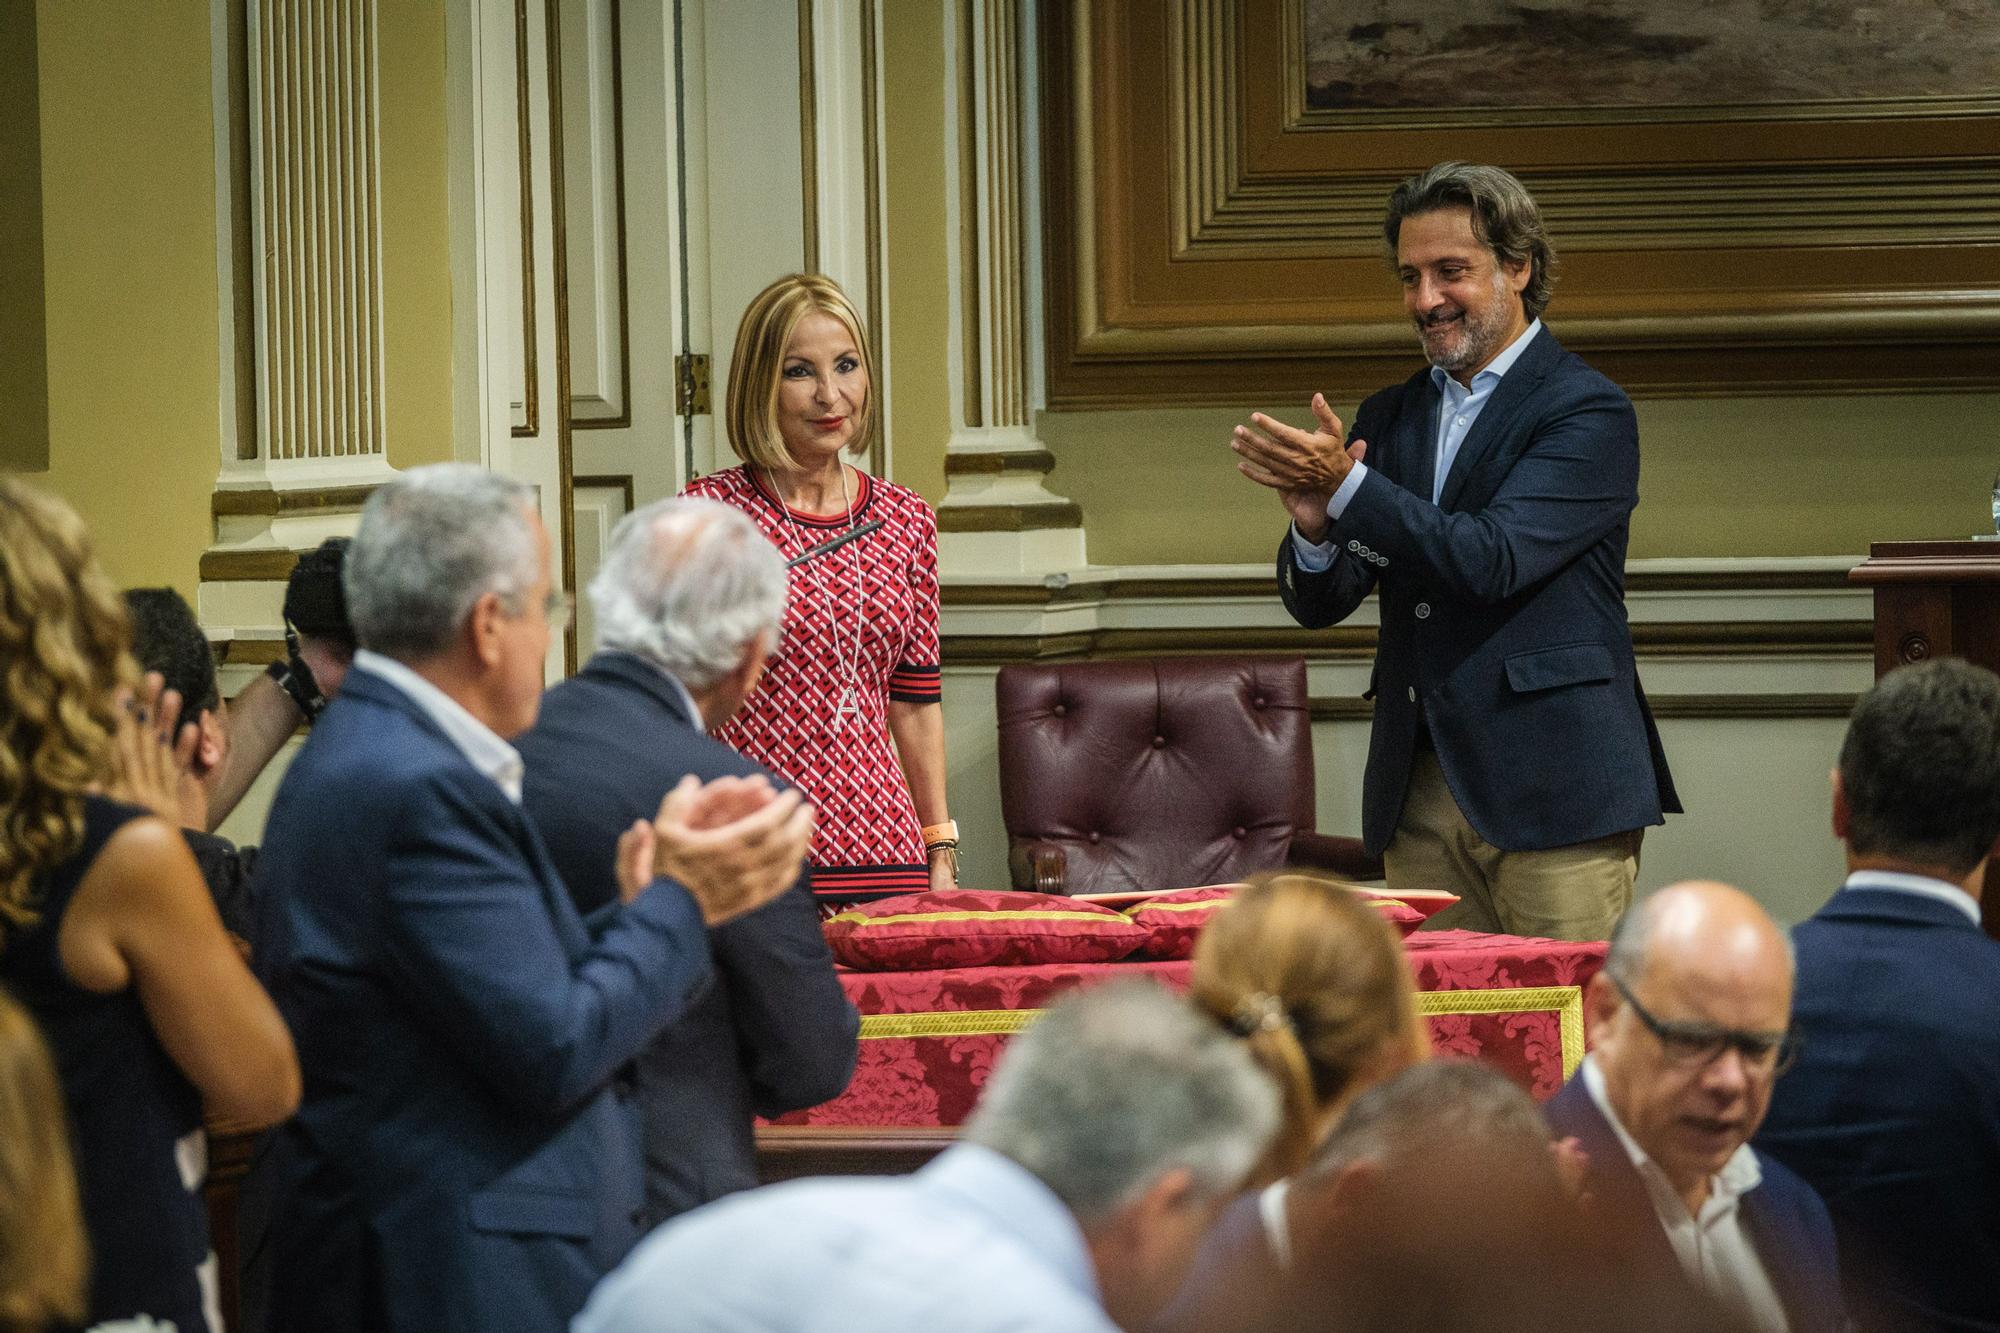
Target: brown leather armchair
[1160, 774]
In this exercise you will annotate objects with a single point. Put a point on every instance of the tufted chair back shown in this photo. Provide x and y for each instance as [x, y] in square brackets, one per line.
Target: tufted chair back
[1153, 774]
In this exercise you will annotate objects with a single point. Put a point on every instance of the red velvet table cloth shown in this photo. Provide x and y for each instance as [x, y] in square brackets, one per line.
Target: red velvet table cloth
[929, 1039]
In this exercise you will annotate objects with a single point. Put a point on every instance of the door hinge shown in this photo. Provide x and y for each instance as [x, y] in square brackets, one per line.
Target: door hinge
[691, 385]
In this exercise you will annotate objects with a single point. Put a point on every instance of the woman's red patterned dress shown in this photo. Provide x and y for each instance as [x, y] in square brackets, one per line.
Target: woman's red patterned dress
[860, 629]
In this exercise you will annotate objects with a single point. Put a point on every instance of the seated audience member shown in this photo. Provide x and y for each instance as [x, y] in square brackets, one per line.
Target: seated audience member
[461, 1160]
[1106, 1139]
[1436, 1204]
[1689, 1028]
[44, 1258]
[1893, 1110]
[1315, 982]
[166, 638]
[107, 936]
[688, 600]
[319, 646]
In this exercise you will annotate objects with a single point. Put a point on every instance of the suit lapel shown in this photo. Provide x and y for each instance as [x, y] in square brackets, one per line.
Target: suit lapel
[1620, 1196]
[1775, 1249]
[1496, 419]
[1416, 441]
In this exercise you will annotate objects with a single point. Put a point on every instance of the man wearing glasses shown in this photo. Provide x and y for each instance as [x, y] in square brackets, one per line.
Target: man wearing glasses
[1689, 1025]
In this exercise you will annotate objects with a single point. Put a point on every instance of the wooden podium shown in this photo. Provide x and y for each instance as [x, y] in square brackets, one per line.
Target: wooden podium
[1937, 599]
[1934, 599]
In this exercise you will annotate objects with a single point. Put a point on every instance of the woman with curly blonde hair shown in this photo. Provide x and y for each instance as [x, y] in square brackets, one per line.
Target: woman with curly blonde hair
[108, 937]
[44, 1261]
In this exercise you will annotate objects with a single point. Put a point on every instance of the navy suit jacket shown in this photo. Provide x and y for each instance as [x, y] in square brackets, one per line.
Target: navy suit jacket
[775, 1033]
[1502, 606]
[1893, 1109]
[1783, 1219]
[461, 1159]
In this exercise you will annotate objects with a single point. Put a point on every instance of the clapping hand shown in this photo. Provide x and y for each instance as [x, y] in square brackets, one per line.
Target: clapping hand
[734, 843]
[155, 754]
[1304, 467]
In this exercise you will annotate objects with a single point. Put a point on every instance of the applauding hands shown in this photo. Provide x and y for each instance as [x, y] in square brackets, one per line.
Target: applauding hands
[734, 843]
[1304, 467]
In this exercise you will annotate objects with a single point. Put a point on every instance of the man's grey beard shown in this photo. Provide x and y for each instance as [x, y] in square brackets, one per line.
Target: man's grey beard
[1476, 343]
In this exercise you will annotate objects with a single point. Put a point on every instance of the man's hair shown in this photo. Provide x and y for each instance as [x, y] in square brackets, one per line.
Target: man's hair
[1505, 218]
[1116, 1086]
[1462, 1105]
[315, 603]
[432, 543]
[168, 639]
[686, 584]
[1921, 766]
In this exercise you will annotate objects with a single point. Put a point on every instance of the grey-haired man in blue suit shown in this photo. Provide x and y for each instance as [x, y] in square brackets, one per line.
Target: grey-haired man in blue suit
[1488, 500]
[466, 1156]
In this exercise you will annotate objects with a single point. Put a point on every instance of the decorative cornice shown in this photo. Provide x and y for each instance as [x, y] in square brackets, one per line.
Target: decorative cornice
[1709, 707]
[1008, 518]
[966, 463]
[269, 504]
[1760, 638]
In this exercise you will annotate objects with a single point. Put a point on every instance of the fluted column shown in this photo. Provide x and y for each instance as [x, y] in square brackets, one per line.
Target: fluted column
[317, 276]
[997, 516]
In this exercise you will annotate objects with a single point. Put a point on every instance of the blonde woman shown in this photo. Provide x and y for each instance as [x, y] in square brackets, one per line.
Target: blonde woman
[108, 937]
[848, 710]
[44, 1260]
[1316, 981]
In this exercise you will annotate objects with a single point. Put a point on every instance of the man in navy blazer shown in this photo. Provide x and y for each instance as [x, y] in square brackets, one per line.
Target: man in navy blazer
[688, 600]
[1513, 757]
[1893, 1112]
[1689, 1028]
[463, 1157]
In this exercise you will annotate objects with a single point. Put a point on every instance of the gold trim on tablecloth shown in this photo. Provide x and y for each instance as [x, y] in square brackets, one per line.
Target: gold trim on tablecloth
[1566, 1002]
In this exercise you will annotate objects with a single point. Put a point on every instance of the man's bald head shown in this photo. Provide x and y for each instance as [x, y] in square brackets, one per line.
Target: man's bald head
[1688, 1021]
[1699, 923]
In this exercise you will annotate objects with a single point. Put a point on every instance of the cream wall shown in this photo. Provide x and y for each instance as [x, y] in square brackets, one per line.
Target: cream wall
[129, 219]
[128, 208]
[1720, 477]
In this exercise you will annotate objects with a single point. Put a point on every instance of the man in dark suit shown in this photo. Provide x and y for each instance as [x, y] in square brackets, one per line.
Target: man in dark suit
[465, 1157]
[1689, 1028]
[1513, 758]
[1893, 1112]
[688, 602]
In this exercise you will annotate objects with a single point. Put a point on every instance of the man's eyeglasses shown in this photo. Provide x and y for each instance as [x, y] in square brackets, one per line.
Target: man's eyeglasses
[1697, 1045]
[560, 609]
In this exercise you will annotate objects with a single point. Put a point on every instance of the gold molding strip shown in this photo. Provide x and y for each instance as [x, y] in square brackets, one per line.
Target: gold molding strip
[623, 419]
[809, 136]
[531, 416]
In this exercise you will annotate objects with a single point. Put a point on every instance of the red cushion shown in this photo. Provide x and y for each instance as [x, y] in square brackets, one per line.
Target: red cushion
[1426, 903]
[976, 928]
[1173, 920]
[1396, 912]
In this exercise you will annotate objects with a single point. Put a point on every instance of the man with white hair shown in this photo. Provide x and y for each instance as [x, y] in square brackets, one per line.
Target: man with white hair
[688, 601]
[1108, 1137]
[1690, 1028]
[461, 1160]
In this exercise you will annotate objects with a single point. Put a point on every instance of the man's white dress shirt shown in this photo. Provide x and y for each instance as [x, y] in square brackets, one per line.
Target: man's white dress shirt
[1712, 1247]
[480, 745]
[1458, 408]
